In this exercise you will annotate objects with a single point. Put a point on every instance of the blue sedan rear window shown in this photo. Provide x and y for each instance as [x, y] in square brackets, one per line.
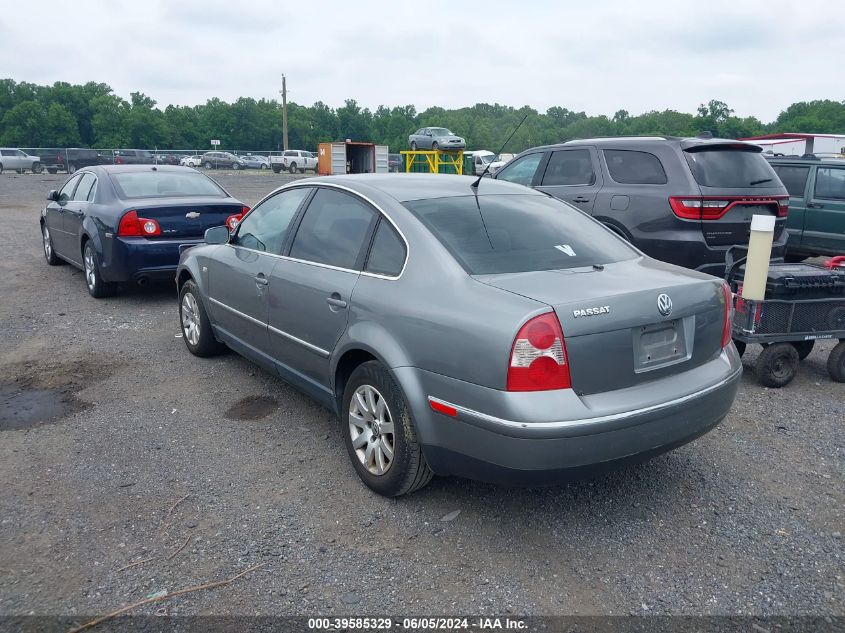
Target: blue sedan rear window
[165, 184]
[518, 233]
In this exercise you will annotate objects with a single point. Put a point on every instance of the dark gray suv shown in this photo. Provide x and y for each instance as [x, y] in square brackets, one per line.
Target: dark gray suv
[680, 200]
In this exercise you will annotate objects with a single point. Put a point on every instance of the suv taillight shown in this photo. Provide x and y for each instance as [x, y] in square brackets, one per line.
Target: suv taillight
[133, 226]
[729, 314]
[713, 208]
[538, 356]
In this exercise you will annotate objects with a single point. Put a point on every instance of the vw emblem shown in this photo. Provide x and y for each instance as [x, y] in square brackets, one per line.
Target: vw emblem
[664, 304]
[192, 215]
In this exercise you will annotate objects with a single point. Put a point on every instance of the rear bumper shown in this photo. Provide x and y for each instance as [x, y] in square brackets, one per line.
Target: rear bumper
[547, 436]
[136, 259]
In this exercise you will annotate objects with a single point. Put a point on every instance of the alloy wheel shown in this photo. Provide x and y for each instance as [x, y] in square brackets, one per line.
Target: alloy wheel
[90, 270]
[371, 429]
[190, 319]
[48, 247]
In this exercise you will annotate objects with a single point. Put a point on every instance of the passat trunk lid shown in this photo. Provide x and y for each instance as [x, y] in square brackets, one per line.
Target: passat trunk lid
[628, 322]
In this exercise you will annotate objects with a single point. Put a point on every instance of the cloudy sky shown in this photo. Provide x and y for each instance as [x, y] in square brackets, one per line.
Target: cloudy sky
[597, 56]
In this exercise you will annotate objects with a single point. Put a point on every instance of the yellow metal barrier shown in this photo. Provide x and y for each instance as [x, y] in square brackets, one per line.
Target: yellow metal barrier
[432, 160]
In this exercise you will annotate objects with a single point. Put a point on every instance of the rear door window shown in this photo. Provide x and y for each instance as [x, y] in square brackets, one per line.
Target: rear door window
[522, 170]
[387, 254]
[830, 183]
[730, 168]
[333, 230]
[793, 177]
[518, 233]
[630, 167]
[85, 190]
[569, 168]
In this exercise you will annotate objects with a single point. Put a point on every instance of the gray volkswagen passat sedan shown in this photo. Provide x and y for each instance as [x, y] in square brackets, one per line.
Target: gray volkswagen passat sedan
[503, 336]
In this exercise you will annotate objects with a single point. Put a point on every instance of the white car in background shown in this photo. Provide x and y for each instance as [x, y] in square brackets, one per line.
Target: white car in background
[13, 158]
[294, 160]
[191, 161]
[500, 161]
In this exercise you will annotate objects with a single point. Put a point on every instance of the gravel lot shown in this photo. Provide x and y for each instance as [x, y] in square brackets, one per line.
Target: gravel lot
[747, 520]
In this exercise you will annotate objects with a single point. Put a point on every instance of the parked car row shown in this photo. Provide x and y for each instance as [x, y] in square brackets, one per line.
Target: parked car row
[366, 292]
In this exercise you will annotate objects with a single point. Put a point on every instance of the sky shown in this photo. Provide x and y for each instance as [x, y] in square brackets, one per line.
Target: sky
[598, 57]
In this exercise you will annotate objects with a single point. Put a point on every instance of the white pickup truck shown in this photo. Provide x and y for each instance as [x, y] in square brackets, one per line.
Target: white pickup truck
[294, 160]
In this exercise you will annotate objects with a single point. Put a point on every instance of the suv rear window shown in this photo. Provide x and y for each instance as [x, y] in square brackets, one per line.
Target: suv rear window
[517, 233]
[634, 168]
[162, 184]
[793, 177]
[730, 168]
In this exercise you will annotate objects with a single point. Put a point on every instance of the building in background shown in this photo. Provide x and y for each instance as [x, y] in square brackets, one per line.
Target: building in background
[798, 144]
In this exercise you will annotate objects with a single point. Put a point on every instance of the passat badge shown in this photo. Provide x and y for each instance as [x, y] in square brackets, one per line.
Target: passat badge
[591, 311]
[192, 215]
[664, 304]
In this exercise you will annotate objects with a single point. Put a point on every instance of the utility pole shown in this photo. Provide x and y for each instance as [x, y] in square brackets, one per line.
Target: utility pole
[284, 114]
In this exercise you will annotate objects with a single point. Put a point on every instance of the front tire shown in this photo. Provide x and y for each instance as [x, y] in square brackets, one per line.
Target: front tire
[235, 166]
[379, 433]
[97, 287]
[196, 328]
[37, 168]
[49, 251]
[263, 166]
[435, 146]
[52, 170]
[777, 365]
[836, 362]
[71, 168]
[413, 146]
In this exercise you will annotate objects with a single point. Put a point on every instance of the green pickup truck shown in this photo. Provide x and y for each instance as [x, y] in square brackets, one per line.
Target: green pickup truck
[816, 220]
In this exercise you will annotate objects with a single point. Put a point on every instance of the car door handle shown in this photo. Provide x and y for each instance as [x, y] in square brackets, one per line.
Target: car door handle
[261, 280]
[580, 199]
[814, 205]
[335, 301]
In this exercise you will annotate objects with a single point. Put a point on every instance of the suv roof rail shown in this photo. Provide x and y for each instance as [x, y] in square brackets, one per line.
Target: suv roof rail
[648, 137]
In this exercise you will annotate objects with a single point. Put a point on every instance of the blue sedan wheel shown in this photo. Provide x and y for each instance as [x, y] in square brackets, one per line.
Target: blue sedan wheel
[97, 287]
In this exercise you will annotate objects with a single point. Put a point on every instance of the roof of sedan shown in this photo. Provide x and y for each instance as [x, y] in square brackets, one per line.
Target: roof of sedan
[405, 187]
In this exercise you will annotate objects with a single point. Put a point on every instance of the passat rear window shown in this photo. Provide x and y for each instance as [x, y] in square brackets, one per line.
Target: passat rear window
[731, 168]
[518, 233]
[162, 184]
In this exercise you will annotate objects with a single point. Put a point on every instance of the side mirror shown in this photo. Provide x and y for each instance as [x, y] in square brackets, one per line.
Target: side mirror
[53, 196]
[217, 235]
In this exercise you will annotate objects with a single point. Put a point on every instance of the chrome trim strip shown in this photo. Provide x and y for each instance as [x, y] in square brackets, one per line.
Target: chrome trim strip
[274, 330]
[568, 424]
[237, 312]
[291, 337]
[353, 192]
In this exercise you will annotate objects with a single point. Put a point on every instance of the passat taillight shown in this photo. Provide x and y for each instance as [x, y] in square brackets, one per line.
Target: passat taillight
[713, 208]
[538, 356]
[729, 314]
[133, 226]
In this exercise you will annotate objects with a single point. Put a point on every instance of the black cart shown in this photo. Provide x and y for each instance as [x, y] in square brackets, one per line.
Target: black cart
[804, 303]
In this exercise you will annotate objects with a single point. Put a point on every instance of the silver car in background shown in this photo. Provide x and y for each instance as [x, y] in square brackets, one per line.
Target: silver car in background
[435, 138]
[494, 333]
[20, 161]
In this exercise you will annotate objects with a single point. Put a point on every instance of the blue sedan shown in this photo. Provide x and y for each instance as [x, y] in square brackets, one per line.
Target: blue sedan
[128, 223]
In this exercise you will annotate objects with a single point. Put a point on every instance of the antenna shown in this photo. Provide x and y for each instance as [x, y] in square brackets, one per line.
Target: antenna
[484, 173]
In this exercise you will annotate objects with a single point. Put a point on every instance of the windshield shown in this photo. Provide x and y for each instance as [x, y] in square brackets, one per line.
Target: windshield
[440, 131]
[731, 168]
[163, 184]
[518, 233]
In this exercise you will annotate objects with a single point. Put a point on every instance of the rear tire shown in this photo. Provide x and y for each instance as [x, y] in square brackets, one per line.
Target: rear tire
[196, 328]
[380, 435]
[235, 166]
[52, 170]
[207, 164]
[37, 168]
[777, 365]
[292, 168]
[263, 166]
[71, 168]
[836, 363]
[276, 169]
[413, 146]
[97, 287]
[740, 347]
[1, 168]
[804, 348]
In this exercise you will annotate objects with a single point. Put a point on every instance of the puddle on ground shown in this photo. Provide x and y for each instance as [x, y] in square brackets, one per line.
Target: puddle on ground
[27, 408]
[44, 392]
[252, 408]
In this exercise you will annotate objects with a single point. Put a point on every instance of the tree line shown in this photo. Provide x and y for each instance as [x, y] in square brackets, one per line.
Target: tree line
[92, 115]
